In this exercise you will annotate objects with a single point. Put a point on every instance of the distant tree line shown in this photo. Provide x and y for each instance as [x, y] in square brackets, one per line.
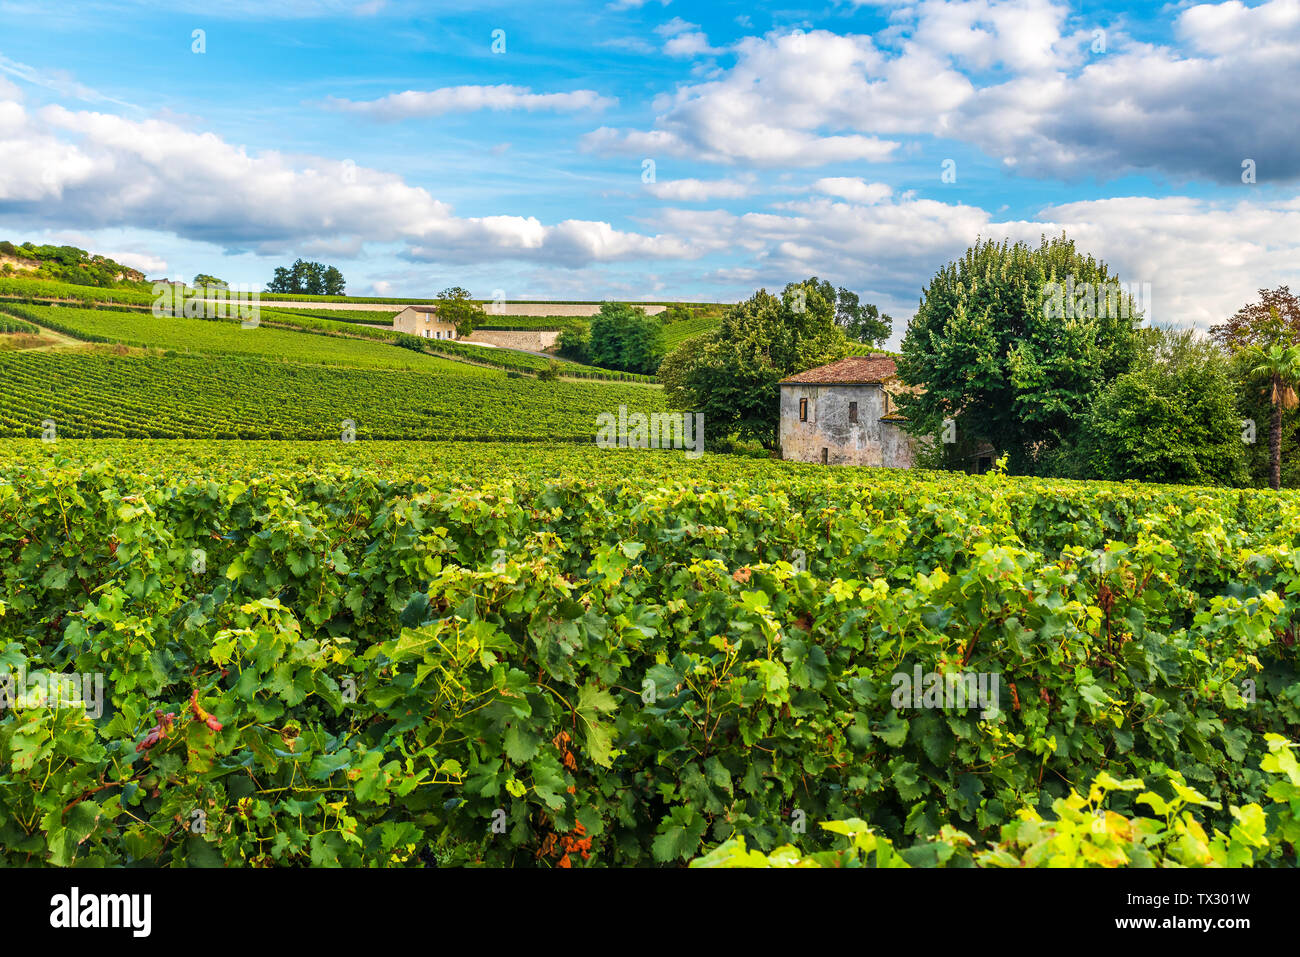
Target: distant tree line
[307, 279]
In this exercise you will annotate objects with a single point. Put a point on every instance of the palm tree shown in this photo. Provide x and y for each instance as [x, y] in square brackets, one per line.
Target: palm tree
[1279, 367]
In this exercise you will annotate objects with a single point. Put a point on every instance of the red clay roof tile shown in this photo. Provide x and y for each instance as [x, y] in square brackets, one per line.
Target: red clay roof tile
[851, 371]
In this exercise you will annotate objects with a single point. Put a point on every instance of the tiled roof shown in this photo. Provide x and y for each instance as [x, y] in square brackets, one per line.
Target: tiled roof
[850, 371]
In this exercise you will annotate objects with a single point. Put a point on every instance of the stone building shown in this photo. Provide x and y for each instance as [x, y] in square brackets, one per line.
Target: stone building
[844, 414]
[423, 321]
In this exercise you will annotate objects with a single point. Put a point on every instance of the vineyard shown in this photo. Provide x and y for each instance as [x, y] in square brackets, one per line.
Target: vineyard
[405, 654]
[221, 337]
[99, 394]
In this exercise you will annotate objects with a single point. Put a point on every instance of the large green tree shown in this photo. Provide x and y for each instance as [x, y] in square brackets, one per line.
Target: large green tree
[731, 374]
[1172, 418]
[1012, 342]
[622, 336]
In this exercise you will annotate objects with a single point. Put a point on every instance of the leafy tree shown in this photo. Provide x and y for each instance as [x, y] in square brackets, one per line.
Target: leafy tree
[334, 283]
[281, 282]
[732, 373]
[306, 279]
[203, 279]
[623, 337]
[550, 372]
[1274, 320]
[456, 306]
[994, 355]
[861, 323]
[1172, 418]
[574, 344]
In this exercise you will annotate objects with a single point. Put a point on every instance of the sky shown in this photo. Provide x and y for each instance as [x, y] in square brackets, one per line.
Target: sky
[658, 149]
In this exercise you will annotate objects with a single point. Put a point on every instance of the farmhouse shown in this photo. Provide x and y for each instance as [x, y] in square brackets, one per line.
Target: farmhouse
[423, 321]
[844, 414]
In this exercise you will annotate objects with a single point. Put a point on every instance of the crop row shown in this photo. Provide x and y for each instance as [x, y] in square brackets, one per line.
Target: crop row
[415, 660]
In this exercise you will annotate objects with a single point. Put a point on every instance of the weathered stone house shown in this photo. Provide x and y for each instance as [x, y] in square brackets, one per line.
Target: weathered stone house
[423, 321]
[844, 414]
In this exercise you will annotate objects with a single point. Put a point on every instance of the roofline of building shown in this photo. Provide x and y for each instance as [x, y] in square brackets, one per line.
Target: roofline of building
[839, 381]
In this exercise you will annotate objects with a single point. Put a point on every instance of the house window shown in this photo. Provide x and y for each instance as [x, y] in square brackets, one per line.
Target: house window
[426, 333]
[826, 455]
[853, 412]
[803, 410]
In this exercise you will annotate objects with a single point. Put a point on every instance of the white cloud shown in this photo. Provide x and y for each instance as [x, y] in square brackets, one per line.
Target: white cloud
[894, 246]
[88, 170]
[684, 39]
[148, 264]
[698, 190]
[464, 99]
[792, 99]
[853, 189]
[1016, 78]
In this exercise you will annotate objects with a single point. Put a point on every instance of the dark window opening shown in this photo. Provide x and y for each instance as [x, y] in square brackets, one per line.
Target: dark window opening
[853, 412]
[984, 464]
[803, 410]
[826, 456]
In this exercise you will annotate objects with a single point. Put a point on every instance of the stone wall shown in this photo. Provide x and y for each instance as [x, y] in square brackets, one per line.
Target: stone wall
[534, 340]
[828, 429]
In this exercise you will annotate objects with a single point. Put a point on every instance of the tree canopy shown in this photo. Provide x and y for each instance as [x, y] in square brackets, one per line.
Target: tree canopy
[732, 373]
[861, 322]
[307, 279]
[995, 352]
[456, 306]
[1273, 320]
[1172, 418]
[622, 336]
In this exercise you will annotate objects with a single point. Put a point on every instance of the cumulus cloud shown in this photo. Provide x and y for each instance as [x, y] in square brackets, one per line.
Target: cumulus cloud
[81, 169]
[1016, 78]
[895, 245]
[792, 99]
[465, 99]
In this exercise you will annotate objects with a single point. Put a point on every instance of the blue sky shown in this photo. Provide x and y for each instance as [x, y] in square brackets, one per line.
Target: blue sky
[391, 139]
